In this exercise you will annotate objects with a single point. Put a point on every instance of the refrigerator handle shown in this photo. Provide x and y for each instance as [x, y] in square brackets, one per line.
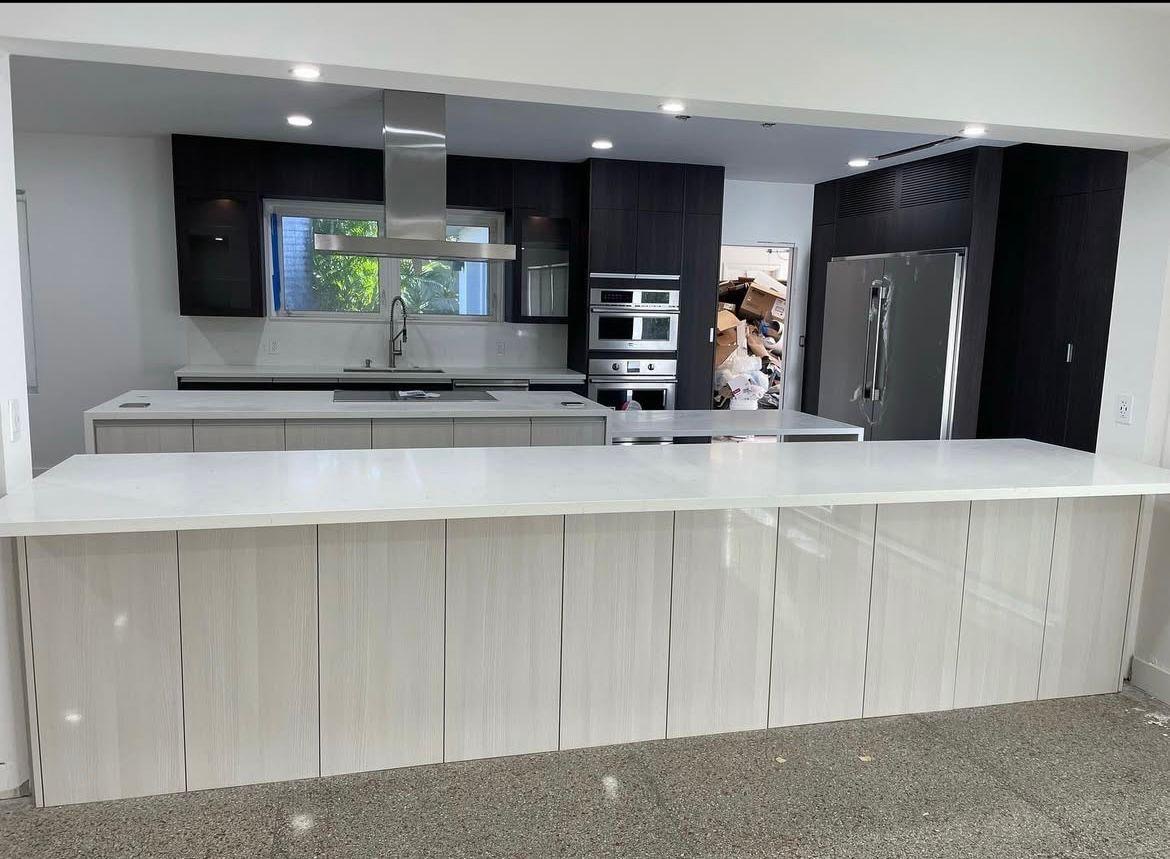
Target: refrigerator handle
[879, 353]
[873, 334]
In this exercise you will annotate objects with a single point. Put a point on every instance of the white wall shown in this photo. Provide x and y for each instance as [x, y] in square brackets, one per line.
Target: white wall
[101, 224]
[776, 213]
[1025, 68]
[15, 459]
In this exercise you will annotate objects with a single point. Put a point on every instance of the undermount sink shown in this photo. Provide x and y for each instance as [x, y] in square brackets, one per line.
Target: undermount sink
[392, 370]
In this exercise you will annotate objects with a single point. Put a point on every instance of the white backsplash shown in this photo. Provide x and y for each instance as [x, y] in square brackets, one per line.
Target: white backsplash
[212, 340]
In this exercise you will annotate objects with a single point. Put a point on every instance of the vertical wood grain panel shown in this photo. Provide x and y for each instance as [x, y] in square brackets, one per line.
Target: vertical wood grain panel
[1005, 589]
[554, 431]
[616, 628]
[823, 569]
[493, 432]
[105, 642]
[249, 610]
[238, 435]
[915, 607]
[1088, 595]
[381, 645]
[327, 435]
[408, 433]
[143, 437]
[503, 635]
[721, 620]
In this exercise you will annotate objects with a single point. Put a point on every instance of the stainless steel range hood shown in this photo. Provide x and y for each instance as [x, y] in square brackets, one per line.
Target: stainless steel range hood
[414, 142]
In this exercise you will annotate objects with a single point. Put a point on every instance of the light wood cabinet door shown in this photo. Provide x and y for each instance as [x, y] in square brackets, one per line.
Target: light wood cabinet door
[721, 620]
[493, 432]
[915, 607]
[824, 566]
[238, 435]
[503, 635]
[1005, 593]
[105, 646]
[249, 612]
[381, 632]
[143, 437]
[554, 431]
[413, 432]
[327, 435]
[1088, 596]
[614, 655]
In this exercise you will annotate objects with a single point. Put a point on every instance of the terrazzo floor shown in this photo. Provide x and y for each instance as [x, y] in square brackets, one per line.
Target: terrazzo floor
[1079, 777]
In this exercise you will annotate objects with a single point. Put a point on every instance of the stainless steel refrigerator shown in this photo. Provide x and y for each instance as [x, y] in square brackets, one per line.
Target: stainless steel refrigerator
[890, 348]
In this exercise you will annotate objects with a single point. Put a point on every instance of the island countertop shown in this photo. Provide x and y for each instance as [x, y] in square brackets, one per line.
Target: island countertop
[310, 405]
[180, 491]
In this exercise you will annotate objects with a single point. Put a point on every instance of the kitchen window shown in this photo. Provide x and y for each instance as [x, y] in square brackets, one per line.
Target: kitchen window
[307, 284]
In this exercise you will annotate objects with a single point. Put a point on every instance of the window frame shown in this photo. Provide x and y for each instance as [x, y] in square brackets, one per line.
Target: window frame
[388, 275]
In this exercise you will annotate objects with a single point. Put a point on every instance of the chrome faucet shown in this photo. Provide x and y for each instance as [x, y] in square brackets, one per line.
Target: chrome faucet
[397, 339]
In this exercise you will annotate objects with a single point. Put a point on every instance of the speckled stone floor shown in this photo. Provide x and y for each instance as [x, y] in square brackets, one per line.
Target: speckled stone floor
[1078, 778]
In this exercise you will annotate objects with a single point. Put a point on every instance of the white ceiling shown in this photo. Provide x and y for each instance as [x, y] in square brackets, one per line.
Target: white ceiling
[104, 98]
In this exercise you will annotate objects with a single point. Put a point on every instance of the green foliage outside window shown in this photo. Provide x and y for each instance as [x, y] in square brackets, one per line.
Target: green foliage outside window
[346, 284]
[429, 286]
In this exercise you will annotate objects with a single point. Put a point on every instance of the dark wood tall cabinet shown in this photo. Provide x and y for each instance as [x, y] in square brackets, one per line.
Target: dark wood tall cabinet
[1052, 294]
[662, 220]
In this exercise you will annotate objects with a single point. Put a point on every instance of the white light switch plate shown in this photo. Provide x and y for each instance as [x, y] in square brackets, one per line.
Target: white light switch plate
[12, 421]
[1124, 414]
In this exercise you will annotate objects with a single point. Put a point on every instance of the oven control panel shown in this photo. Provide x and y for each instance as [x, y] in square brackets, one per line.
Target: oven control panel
[658, 367]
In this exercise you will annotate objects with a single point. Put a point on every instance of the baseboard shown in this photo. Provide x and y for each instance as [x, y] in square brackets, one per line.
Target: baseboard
[1151, 678]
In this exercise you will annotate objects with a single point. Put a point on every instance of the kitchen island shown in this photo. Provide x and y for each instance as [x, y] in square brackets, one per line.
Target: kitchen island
[181, 421]
[343, 611]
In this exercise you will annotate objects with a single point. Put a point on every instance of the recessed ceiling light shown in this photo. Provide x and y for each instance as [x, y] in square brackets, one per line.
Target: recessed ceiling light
[602, 144]
[299, 120]
[858, 162]
[974, 130]
[672, 106]
[305, 72]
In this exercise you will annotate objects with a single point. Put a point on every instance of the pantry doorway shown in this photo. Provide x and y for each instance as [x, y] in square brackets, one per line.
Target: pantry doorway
[751, 343]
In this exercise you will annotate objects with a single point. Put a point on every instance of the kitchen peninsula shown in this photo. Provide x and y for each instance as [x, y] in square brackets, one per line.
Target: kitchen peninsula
[344, 611]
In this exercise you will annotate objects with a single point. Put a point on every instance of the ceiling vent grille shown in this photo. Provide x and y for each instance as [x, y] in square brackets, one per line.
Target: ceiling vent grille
[867, 194]
[937, 180]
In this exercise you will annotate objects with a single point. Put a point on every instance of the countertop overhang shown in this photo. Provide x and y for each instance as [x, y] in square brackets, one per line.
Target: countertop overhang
[184, 491]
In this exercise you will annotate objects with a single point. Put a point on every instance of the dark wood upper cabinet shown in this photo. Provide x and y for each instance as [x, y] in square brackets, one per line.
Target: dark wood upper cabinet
[660, 243]
[479, 183]
[704, 190]
[201, 163]
[218, 243]
[299, 172]
[613, 184]
[660, 187]
[548, 187]
[613, 241]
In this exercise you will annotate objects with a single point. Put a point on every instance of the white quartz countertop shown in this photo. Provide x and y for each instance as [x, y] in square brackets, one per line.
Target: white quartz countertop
[540, 375]
[700, 423]
[178, 491]
[309, 405]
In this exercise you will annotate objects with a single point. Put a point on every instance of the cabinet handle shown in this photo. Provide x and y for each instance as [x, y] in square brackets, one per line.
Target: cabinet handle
[710, 335]
[1068, 354]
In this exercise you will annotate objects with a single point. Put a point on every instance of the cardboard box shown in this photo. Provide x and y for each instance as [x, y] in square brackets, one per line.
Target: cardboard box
[725, 320]
[762, 301]
[726, 342]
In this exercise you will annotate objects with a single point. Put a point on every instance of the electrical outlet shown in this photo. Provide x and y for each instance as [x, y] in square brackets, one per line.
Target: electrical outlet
[1124, 413]
[500, 347]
